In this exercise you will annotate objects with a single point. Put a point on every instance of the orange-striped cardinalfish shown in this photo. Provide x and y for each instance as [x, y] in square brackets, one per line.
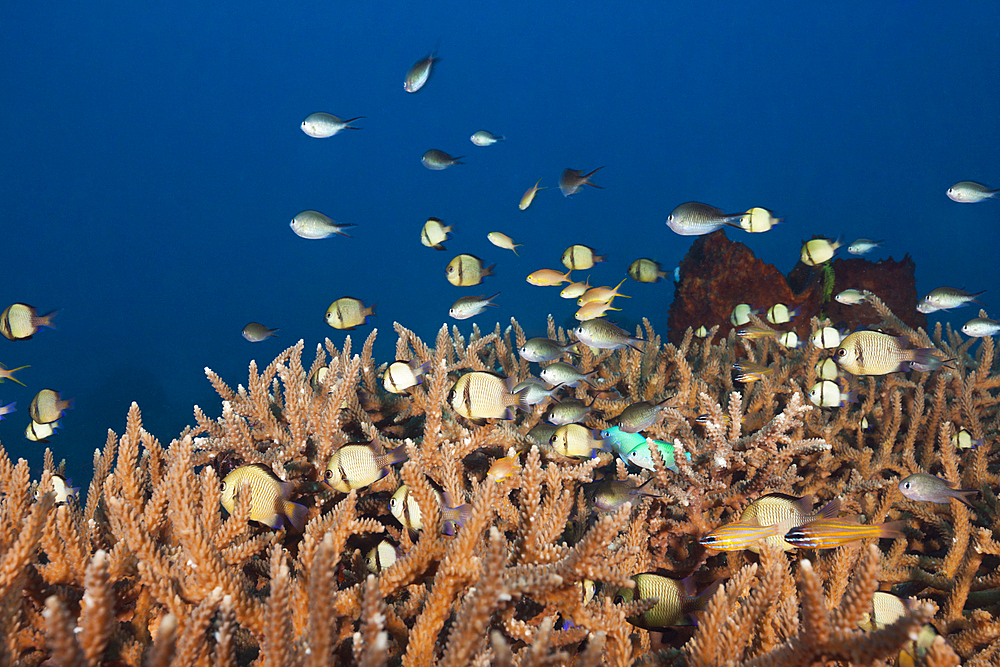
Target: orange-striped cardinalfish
[833, 533]
[754, 331]
[737, 536]
[751, 372]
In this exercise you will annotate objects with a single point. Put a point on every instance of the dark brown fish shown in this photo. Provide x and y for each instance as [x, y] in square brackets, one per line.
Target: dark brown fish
[571, 181]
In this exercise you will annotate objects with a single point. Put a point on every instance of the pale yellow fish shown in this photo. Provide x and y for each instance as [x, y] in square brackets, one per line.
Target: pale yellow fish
[740, 315]
[484, 138]
[576, 441]
[876, 353]
[21, 321]
[434, 233]
[529, 196]
[482, 395]
[501, 240]
[268, 496]
[48, 406]
[589, 311]
[407, 511]
[465, 270]
[646, 270]
[401, 375]
[548, 278]
[601, 294]
[581, 257]
[503, 468]
[575, 290]
[383, 555]
[348, 312]
[758, 220]
[357, 465]
[39, 432]
[674, 604]
[818, 251]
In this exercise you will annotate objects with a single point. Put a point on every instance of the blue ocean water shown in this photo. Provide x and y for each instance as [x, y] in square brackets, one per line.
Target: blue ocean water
[153, 159]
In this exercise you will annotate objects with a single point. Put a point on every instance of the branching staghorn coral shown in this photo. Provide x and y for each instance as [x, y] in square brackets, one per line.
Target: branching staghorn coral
[150, 570]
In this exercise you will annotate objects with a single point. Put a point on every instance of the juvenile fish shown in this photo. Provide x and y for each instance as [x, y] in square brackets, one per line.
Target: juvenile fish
[641, 416]
[536, 393]
[610, 495]
[780, 314]
[323, 125]
[314, 225]
[929, 488]
[751, 372]
[469, 306]
[501, 240]
[970, 192]
[484, 138]
[695, 219]
[434, 233]
[529, 196]
[465, 270]
[503, 468]
[382, 556]
[348, 312]
[863, 246]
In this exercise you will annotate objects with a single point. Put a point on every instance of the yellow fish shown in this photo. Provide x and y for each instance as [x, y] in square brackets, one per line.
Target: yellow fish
[548, 278]
[434, 233]
[876, 353]
[501, 240]
[503, 468]
[645, 270]
[465, 270]
[676, 600]
[529, 196]
[818, 251]
[383, 555]
[21, 321]
[482, 395]
[589, 311]
[39, 432]
[407, 511]
[576, 441]
[8, 374]
[268, 496]
[581, 257]
[737, 536]
[784, 513]
[750, 371]
[401, 375]
[47, 406]
[602, 294]
[575, 290]
[348, 312]
[357, 465]
[833, 533]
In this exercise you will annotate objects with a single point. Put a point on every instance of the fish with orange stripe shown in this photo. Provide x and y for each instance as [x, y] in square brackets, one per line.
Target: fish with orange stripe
[833, 533]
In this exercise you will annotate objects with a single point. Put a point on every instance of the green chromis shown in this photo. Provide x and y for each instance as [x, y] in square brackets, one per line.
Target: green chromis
[640, 416]
[567, 411]
[316, 225]
[269, 502]
[357, 465]
[321, 125]
[484, 138]
[470, 306]
[929, 488]
[981, 327]
[418, 75]
[544, 349]
[946, 298]
[676, 600]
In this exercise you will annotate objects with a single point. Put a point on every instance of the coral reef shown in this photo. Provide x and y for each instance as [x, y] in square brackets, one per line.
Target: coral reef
[717, 274]
[150, 571]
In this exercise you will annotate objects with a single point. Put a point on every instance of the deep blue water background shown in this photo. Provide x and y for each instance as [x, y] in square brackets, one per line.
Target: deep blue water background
[152, 159]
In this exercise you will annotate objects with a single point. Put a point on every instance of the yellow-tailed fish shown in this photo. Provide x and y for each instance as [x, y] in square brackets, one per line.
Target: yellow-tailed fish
[357, 465]
[929, 488]
[875, 353]
[676, 600]
[575, 290]
[315, 225]
[482, 395]
[576, 441]
[348, 312]
[465, 270]
[601, 294]
[826, 338]
[529, 196]
[434, 233]
[780, 314]
[605, 335]
[610, 495]
[470, 306]
[565, 374]
[567, 411]
[544, 349]
[8, 409]
[401, 375]
[964, 440]
[740, 315]
[818, 251]
[946, 298]
[850, 297]
[548, 278]
[784, 512]
[695, 219]
[581, 257]
[759, 220]
[751, 372]
[589, 311]
[484, 138]
[48, 406]
[256, 332]
[755, 331]
[645, 270]
[21, 321]
[501, 240]
[828, 394]
[503, 468]
[833, 533]
[8, 373]
[322, 125]
[970, 192]
[382, 556]
[436, 160]
[418, 75]
[40, 432]
[827, 369]
[862, 246]
[269, 501]
[571, 181]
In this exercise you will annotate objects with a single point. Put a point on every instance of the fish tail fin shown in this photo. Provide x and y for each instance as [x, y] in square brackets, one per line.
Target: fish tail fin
[519, 400]
[419, 370]
[457, 160]
[599, 187]
[10, 375]
[923, 359]
[351, 120]
[891, 530]
[849, 397]
[488, 271]
[591, 174]
[963, 495]
[69, 403]
[397, 455]
[369, 312]
[619, 285]
[490, 298]
[46, 320]
[296, 514]
[454, 515]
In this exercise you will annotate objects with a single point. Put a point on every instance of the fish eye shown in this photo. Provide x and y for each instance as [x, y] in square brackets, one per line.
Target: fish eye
[392, 502]
[619, 599]
[906, 485]
[841, 352]
[327, 474]
[223, 486]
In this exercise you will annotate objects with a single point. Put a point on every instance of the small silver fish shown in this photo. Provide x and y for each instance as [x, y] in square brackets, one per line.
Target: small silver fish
[567, 411]
[604, 335]
[696, 219]
[946, 298]
[484, 138]
[980, 327]
[862, 246]
[255, 332]
[315, 225]
[565, 374]
[640, 416]
[970, 192]
[571, 181]
[537, 391]
[438, 160]
[469, 306]
[544, 349]
[323, 125]
[850, 297]
[417, 76]
[928, 488]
